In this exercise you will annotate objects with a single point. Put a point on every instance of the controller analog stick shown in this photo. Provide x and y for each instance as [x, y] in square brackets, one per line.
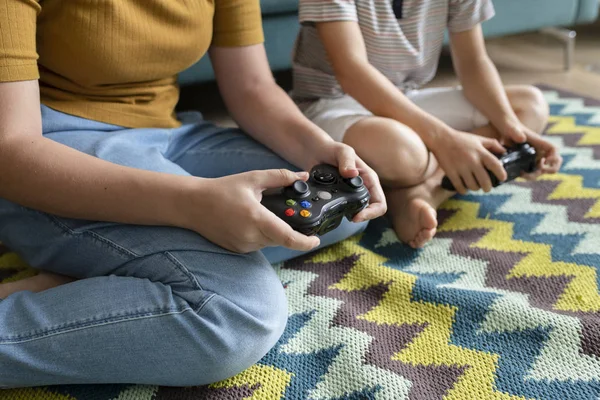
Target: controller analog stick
[355, 182]
[300, 188]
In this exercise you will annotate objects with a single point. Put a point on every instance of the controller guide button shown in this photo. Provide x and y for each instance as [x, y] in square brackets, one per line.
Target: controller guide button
[290, 212]
[305, 204]
[324, 195]
[290, 202]
[305, 213]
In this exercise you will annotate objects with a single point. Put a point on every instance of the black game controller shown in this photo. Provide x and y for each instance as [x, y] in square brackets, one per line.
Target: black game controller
[318, 205]
[517, 159]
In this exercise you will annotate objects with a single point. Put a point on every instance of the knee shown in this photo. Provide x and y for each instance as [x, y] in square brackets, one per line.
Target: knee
[408, 161]
[253, 335]
[532, 108]
[242, 327]
[398, 153]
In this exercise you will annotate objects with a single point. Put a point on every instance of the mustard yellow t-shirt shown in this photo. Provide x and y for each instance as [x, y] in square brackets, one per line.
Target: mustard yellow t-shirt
[116, 61]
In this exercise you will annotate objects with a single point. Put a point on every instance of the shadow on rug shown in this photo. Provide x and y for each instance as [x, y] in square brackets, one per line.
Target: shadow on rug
[503, 304]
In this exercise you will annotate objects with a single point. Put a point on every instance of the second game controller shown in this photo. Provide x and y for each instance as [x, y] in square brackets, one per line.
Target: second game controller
[318, 205]
[517, 159]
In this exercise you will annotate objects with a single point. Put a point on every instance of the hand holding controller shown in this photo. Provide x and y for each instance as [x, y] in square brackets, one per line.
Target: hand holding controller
[517, 159]
[318, 205]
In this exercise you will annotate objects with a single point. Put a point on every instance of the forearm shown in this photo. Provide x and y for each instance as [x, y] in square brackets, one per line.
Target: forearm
[47, 176]
[483, 87]
[262, 108]
[376, 93]
[270, 116]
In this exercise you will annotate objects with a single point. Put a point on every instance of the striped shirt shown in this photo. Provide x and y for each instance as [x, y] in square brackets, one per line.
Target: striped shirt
[403, 39]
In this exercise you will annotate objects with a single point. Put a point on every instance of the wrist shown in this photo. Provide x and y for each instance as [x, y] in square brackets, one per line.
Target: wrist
[313, 151]
[183, 194]
[506, 120]
[433, 133]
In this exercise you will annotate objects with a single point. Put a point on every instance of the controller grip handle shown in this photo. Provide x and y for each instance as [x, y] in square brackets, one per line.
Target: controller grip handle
[447, 184]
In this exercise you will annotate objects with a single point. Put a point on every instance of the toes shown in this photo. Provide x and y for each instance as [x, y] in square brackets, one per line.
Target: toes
[422, 238]
[428, 218]
[417, 224]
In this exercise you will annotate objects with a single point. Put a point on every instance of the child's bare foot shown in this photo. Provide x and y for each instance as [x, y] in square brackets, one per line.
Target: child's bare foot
[413, 210]
[418, 226]
[42, 281]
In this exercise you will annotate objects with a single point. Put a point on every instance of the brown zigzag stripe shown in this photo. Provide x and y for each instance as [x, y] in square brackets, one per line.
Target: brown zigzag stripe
[206, 393]
[571, 140]
[543, 292]
[590, 334]
[576, 208]
[428, 381]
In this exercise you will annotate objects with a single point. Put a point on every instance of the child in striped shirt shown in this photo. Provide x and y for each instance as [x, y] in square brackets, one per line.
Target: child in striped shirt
[358, 69]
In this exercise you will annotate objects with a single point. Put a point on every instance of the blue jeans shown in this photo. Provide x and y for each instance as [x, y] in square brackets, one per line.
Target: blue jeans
[153, 305]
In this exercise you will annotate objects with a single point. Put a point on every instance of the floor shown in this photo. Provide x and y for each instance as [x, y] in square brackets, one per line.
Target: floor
[523, 59]
[536, 58]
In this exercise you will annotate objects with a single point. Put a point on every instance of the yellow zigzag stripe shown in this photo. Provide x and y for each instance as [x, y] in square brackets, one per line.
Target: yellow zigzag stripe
[432, 346]
[567, 126]
[571, 187]
[32, 394]
[13, 261]
[273, 382]
[581, 294]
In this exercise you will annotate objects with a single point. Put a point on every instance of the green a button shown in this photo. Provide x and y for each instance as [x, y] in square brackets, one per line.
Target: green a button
[290, 202]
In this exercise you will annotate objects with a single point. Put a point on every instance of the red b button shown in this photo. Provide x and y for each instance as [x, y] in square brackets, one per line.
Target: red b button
[289, 212]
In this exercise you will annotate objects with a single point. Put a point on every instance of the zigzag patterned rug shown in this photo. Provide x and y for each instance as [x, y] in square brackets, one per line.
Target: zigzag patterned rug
[503, 304]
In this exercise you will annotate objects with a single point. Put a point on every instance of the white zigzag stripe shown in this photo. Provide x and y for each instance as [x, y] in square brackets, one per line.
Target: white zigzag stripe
[387, 237]
[583, 158]
[512, 312]
[573, 106]
[560, 358]
[555, 220]
[347, 373]
[437, 258]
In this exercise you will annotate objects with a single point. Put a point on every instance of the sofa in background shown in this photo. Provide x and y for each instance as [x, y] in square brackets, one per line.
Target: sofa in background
[280, 22]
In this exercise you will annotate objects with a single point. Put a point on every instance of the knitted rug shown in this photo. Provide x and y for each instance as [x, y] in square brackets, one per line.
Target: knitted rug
[502, 304]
